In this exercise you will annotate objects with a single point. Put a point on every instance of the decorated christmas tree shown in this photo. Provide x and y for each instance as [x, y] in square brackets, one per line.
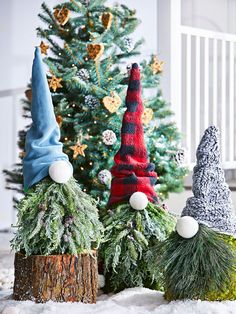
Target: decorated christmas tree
[136, 219]
[87, 46]
[198, 259]
[58, 226]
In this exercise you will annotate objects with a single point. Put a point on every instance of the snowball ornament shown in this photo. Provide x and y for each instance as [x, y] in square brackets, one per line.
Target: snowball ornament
[60, 171]
[187, 227]
[104, 176]
[138, 201]
[109, 137]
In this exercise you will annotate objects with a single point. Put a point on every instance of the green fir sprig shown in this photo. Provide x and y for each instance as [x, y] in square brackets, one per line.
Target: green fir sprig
[127, 248]
[57, 219]
[197, 267]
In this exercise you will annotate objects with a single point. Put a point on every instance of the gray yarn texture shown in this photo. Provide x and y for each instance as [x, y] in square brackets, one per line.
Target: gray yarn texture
[211, 204]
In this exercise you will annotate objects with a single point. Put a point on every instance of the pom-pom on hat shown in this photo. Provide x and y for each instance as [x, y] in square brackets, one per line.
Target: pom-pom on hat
[132, 171]
[42, 140]
[211, 204]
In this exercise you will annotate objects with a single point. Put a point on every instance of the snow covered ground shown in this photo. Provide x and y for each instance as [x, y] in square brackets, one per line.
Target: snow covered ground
[6, 268]
[129, 301]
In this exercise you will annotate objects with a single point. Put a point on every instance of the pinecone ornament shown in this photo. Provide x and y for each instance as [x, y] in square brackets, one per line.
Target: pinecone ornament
[128, 44]
[83, 33]
[91, 101]
[181, 157]
[85, 2]
[83, 74]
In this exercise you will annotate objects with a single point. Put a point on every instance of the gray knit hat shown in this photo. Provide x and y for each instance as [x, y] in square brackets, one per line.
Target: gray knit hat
[211, 204]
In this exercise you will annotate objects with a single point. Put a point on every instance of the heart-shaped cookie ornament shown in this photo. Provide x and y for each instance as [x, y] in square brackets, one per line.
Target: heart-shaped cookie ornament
[62, 15]
[107, 19]
[95, 51]
[112, 103]
[147, 116]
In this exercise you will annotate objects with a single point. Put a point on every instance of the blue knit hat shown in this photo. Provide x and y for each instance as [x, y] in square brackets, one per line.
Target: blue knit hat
[42, 140]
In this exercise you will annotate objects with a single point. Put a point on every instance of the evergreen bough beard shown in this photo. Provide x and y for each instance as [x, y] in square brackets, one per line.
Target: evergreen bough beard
[127, 253]
[57, 218]
[228, 291]
[202, 267]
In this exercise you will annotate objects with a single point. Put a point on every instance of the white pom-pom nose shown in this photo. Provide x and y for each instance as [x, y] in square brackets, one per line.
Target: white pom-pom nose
[60, 171]
[138, 200]
[187, 227]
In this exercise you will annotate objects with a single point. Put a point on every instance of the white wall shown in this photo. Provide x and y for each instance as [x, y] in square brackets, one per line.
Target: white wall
[216, 15]
[18, 21]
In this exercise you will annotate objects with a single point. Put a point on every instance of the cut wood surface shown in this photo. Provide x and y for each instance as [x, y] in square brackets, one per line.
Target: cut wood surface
[60, 278]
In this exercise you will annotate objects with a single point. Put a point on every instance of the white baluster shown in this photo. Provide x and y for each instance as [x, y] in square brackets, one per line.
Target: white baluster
[197, 90]
[231, 101]
[206, 82]
[215, 81]
[188, 94]
[223, 100]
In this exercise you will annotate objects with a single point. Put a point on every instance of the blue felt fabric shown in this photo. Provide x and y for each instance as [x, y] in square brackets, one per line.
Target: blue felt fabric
[42, 140]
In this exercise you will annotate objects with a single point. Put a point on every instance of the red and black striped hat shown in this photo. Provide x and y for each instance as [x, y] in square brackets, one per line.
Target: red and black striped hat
[132, 171]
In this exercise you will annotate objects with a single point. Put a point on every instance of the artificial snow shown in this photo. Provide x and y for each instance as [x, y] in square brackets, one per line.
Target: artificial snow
[6, 278]
[129, 301]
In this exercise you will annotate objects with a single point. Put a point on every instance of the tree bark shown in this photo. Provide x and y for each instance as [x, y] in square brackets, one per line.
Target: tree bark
[60, 278]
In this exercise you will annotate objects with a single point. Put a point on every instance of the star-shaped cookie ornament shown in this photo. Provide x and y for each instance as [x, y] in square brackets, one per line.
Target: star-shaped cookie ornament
[43, 47]
[55, 83]
[78, 149]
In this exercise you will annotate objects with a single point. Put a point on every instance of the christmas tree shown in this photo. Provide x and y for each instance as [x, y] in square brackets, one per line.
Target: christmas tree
[58, 230]
[136, 220]
[86, 44]
[198, 259]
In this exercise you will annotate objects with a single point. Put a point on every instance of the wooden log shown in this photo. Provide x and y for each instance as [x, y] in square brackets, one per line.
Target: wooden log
[59, 278]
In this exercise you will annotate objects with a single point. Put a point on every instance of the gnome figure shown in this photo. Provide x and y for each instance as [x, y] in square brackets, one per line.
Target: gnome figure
[133, 176]
[199, 258]
[44, 154]
[135, 219]
[58, 224]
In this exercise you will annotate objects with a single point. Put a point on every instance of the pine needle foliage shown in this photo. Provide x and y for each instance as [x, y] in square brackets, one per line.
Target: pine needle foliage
[192, 268]
[228, 291]
[57, 219]
[127, 248]
[82, 77]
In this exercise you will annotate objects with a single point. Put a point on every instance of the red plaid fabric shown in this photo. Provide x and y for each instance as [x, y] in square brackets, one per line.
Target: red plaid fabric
[132, 172]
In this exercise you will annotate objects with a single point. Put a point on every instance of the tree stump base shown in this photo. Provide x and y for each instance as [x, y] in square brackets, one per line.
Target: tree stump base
[59, 278]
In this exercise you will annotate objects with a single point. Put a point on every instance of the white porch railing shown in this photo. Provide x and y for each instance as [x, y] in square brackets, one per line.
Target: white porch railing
[203, 84]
